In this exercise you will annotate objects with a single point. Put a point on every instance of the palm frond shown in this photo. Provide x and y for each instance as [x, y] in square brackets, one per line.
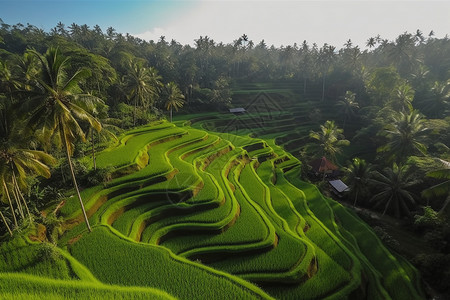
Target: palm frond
[84, 115]
[440, 174]
[437, 190]
[76, 78]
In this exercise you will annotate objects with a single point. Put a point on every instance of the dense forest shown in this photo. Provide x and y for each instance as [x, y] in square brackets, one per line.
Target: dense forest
[69, 92]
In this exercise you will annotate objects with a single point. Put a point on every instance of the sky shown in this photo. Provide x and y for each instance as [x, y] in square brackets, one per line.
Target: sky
[278, 22]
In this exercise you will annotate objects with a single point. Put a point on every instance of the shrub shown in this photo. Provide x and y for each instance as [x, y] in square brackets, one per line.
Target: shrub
[429, 219]
[48, 253]
[99, 176]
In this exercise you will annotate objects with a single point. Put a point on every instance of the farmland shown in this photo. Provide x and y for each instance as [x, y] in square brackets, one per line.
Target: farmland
[201, 208]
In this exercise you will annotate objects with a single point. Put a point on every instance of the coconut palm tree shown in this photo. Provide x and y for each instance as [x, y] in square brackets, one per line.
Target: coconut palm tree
[141, 84]
[56, 104]
[105, 134]
[175, 99]
[403, 53]
[348, 105]
[7, 83]
[17, 162]
[405, 134]
[371, 42]
[329, 140]
[325, 60]
[358, 175]
[437, 104]
[392, 190]
[403, 98]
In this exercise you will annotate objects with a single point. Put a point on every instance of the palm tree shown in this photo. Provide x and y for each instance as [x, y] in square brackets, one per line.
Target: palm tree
[405, 133]
[57, 103]
[105, 134]
[418, 37]
[403, 53]
[392, 190]
[325, 59]
[155, 81]
[348, 105]
[440, 189]
[244, 38]
[371, 42]
[175, 99]
[17, 163]
[438, 103]
[7, 83]
[305, 64]
[329, 139]
[403, 98]
[141, 84]
[358, 175]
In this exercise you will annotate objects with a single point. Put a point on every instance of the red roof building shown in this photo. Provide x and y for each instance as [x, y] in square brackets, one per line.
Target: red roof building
[322, 165]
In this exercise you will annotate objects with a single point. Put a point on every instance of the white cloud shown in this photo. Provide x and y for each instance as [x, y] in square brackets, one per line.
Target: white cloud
[286, 22]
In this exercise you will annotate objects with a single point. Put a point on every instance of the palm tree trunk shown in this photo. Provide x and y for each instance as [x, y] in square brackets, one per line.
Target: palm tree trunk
[16, 198]
[6, 223]
[170, 114]
[15, 191]
[356, 198]
[62, 173]
[21, 196]
[10, 204]
[73, 178]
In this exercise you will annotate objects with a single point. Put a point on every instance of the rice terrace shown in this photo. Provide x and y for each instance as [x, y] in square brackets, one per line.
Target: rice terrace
[134, 169]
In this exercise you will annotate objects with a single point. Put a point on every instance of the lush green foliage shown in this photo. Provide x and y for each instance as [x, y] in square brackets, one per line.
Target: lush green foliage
[233, 199]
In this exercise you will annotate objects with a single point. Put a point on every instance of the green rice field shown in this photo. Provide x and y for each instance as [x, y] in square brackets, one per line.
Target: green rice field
[209, 207]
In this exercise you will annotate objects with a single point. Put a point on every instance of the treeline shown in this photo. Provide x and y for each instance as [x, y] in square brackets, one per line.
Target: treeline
[204, 72]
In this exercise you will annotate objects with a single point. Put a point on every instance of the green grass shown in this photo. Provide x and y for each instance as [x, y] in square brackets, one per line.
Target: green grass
[133, 147]
[116, 260]
[234, 237]
[25, 286]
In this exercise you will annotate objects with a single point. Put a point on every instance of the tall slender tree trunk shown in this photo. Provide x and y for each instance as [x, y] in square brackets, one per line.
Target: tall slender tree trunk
[356, 198]
[74, 180]
[170, 114]
[6, 223]
[16, 198]
[21, 197]
[10, 204]
[16, 192]
[63, 176]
